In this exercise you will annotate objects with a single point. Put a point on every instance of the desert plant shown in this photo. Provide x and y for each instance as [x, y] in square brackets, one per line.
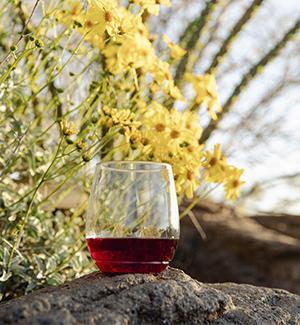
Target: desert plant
[82, 82]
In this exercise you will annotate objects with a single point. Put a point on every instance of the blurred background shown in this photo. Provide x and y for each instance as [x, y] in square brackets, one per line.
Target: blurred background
[253, 47]
[244, 44]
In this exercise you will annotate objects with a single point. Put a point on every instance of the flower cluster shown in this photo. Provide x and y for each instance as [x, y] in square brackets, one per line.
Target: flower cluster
[217, 170]
[152, 130]
[206, 92]
[173, 137]
[123, 39]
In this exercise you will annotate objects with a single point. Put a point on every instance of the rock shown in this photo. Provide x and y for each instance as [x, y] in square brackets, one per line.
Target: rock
[259, 250]
[284, 224]
[171, 297]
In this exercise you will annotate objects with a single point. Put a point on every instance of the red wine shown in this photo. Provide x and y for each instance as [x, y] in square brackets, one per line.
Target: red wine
[131, 255]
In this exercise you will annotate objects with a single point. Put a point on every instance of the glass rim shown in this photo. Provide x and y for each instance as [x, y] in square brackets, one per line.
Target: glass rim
[157, 166]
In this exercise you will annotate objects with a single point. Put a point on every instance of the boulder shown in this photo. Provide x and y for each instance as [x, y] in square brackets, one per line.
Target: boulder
[258, 250]
[171, 297]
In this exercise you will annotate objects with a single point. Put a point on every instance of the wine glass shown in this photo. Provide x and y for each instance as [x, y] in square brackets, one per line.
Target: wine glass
[132, 221]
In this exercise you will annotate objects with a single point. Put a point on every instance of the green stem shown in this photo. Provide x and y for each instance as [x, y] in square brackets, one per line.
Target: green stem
[22, 226]
[17, 60]
[22, 34]
[52, 78]
[62, 183]
[190, 207]
[196, 200]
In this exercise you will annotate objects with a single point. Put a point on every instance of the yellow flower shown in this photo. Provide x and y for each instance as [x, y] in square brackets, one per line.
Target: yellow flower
[95, 23]
[134, 137]
[162, 76]
[70, 13]
[152, 6]
[81, 145]
[206, 92]
[129, 142]
[123, 22]
[123, 118]
[176, 51]
[103, 19]
[215, 164]
[154, 87]
[233, 183]
[107, 16]
[173, 137]
[160, 71]
[191, 121]
[91, 23]
[127, 53]
[171, 129]
[218, 171]
[173, 91]
[123, 39]
[186, 168]
[68, 128]
[155, 114]
[126, 45]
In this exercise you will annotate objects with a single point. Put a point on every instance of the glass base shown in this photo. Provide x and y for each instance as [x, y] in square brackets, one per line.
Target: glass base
[131, 267]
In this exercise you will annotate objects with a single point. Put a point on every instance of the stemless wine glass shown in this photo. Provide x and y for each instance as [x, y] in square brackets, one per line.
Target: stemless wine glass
[132, 221]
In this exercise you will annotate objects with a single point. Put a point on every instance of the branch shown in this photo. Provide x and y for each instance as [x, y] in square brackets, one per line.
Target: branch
[195, 28]
[23, 33]
[248, 14]
[251, 74]
[266, 99]
[212, 32]
[270, 183]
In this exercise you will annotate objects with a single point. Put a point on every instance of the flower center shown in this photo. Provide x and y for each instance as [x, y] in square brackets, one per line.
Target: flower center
[213, 161]
[74, 11]
[145, 141]
[108, 16]
[159, 127]
[144, 53]
[190, 175]
[88, 24]
[235, 183]
[174, 134]
[190, 148]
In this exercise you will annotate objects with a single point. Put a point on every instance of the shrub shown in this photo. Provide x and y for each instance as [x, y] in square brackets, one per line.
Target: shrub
[81, 84]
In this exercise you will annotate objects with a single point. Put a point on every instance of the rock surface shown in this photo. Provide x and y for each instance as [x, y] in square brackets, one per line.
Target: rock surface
[259, 250]
[169, 298]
